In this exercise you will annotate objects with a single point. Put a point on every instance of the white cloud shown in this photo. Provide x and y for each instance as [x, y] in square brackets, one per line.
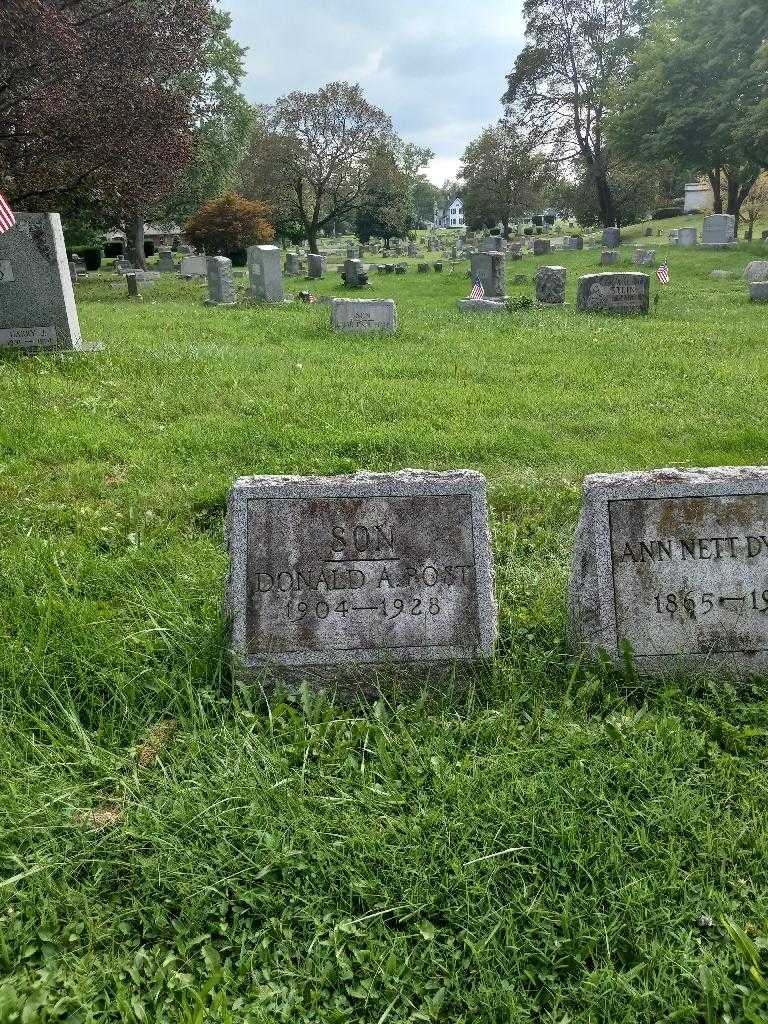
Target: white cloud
[438, 71]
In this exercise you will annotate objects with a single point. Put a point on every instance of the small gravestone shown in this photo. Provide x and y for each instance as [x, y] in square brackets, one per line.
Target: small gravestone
[541, 246]
[401, 268]
[644, 257]
[292, 264]
[550, 285]
[337, 575]
[221, 284]
[133, 286]
[687, 237]
[490, 269]
[166, 264]
[361, 315]
[609, 257]
[758, 291]
[649, 232]
[719, 231]
[354, 274]
[438, 268]
[193, 266]
[423, 268]
[482, 306]
[674, 237]
[389, 268]
[721, 275]
[264, 274]
[669, 568]
[614, 293]
[516, 252]
[576, 242]
[73, 271]
[413, 250]
[37, 301]
[757, 270]
[494, 243]
[315, 265]
[123, 266]
[611, 237]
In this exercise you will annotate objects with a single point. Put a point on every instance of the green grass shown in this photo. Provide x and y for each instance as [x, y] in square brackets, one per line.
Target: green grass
[556, 843]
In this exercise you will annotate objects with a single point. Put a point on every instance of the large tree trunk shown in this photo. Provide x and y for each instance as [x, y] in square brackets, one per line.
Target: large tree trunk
[608, 212]
[134, 230]
[505, 228]
[717, 189]
[312, 239]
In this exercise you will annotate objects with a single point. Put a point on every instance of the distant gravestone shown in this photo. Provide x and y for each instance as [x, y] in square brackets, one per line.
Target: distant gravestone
[721, 275]
[315, 266]
[37, 302]
[340, 574]
[576, 242]
[674, 236]
[73, 272]
[614, 293]
[669, 568]
[193, 266]
[758, 291]
[609, 257]
[389, 268]
[541, 246]
[649, 232]
[423, 268]
[757, 270]
[490, 269]
[494, 243]
[133, 287]
[221, 284]
[354, 274]
[438, 268]
[362, 315]
[264, 274]
[292, 264]
[687, 237]
[644, 257]
[166, 264]
[413, 250]
[401, 268]
[483, 306]
[611, 237]
[550, 285]
[719, 231]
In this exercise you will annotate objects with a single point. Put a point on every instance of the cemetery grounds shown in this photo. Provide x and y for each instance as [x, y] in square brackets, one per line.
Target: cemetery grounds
[556, 842]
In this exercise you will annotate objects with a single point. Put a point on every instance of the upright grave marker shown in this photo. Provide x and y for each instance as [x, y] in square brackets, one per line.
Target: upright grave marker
[358, 316]
[264, 274]
[315, 266]
[614, 293]
[673, 564]
[550, 285]
[221, 284]
[611, 237]
[37, 302]
[341, 573]
[719, 231]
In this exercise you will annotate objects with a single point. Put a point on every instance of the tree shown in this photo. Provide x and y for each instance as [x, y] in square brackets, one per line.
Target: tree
[503, 177]
[230, 223]
[755, 206]
[563, 79]
[309, 155]
[698, 95]
[388, 210]
[425, 197]
[92, 109]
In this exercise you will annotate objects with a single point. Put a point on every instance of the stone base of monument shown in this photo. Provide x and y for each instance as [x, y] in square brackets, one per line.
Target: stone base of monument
[483, 305]
[221, 305]
[347, 581]
[719, 245]
[668, 570]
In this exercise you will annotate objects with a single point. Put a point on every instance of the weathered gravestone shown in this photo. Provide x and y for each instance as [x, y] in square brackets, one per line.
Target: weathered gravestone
[354, 274]
[401, 268]
[687, 237]
[614, 293]
[494, 243]
[166, 264]
[193, 266]
[413, 250]
[674, 236]
[221, 284]
[37, 302]
[423, 268]
[550, 285]
[758, 291]
[644, 257]
[674, 565]
[611, 237]
[362, 315]
[133, 287]
[315, 266]
[757, 270]
[609, 257]
[541, 246]
[438, 268]
[334, 575]
[292, 264]
[719, 231]
[576, 242]
[490, 268]
[264, 274]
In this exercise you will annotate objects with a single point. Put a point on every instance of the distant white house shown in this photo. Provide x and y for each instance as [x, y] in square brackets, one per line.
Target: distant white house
[157, 233]
[451, 216]
[698, 197]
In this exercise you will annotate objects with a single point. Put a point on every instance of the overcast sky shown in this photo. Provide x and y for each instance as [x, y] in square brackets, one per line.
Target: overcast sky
[437, 68]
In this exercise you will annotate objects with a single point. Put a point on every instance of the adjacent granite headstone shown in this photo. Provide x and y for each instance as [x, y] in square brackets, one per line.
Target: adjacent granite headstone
[133, 286]
[757, 270]
[362, 315]
[315, 265]
[490, 268]
[354, 273]
[644, 257]
[389, 268]
[758, 291]
[166, 264]
[541, 246]
[221, 284]
[193, 266]
[669, 568]
[413, 250]
[550, 285]
[614, 293]
[609, 257]
[438, 268]
[264, 274]
[334, 575]
[719, 231]
[687, 237]
[37, 301]
[423, 268]
[576, 242]
[401, 268]
[292, 264]
[611, 237]
[494, 243]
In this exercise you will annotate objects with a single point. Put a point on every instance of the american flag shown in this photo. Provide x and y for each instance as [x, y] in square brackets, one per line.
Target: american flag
[663, 273]
[7, 220]
[478, 292]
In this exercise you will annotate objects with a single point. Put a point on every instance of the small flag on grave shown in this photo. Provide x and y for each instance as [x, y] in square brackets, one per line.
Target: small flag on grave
[7, 220]
[663, 273]
[478, 292]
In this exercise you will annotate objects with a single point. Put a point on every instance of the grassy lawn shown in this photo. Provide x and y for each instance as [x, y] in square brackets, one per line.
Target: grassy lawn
[558, 844]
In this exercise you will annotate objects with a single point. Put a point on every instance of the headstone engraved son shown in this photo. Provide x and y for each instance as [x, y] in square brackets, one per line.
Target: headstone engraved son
[340, 573]
[358, 316]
